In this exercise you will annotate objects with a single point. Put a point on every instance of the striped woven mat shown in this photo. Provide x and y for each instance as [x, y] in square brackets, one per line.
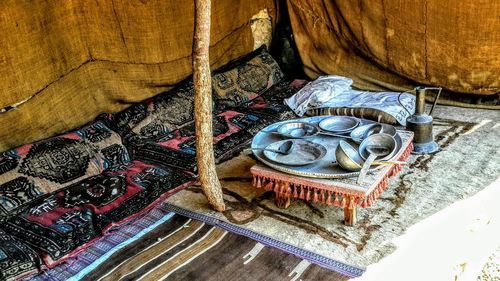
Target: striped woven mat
[164, 245]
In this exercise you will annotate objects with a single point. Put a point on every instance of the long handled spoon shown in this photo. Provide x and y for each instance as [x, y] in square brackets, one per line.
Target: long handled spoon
[285, 148]
[374, 151]
[299, 132]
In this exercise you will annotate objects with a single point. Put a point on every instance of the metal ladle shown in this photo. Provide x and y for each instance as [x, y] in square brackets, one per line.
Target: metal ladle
[299, 133]
[285, 148]
[374, 151]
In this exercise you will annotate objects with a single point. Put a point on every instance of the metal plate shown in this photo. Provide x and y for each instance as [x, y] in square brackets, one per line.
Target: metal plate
[302, 153]
[339, 124]
[297, 130]
[325, 167]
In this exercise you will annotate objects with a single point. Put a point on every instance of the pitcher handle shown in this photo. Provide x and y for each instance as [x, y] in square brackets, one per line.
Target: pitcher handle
[399, 100]
[436, 99]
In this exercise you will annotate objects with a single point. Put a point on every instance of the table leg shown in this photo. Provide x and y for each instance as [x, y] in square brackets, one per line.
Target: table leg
[350, 216]
[282, 200]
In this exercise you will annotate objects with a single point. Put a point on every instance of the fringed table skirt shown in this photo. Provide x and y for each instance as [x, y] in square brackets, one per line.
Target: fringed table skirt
[344, 193]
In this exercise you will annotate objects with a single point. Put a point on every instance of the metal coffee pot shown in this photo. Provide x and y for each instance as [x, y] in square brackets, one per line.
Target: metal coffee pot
[420, 123]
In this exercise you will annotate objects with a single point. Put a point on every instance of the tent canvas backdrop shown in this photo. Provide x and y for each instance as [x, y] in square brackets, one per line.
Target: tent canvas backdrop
[64, 62]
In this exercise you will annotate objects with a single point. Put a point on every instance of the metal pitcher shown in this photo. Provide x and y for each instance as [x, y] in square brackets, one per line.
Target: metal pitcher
[420, 123]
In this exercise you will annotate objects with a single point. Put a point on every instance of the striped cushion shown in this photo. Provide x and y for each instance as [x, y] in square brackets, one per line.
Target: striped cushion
[365, 113]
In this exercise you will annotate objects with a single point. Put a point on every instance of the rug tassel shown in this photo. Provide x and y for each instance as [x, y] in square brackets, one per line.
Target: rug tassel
[308, 195]
[322, 197]
[271, 187]
[337, 202]
[302, 195]
[254, 181]
[315, 196]
[295, 194]
[259, 183]
[268, 186]
[329, 200]
[363, 204]
[393, 171]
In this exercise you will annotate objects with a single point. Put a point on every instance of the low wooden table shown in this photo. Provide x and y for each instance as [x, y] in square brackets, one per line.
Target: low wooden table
[344, 193]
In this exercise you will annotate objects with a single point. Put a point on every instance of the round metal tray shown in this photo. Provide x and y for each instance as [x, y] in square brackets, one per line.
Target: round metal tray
[324, 168]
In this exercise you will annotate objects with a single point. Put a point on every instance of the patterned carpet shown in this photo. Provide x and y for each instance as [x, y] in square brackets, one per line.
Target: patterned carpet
[467, 162]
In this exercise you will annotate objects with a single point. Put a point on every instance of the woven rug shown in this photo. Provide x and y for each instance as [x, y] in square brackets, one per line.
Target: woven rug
[467, 162]
[163, 245]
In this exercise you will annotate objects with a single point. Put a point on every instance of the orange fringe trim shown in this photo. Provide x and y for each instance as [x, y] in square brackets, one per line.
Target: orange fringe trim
[307, 193]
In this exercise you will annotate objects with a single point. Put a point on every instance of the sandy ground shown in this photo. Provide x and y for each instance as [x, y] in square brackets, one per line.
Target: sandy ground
[453, 244]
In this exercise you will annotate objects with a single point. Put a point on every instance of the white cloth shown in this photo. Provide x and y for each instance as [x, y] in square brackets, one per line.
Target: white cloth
[336, 92]
[317, 92]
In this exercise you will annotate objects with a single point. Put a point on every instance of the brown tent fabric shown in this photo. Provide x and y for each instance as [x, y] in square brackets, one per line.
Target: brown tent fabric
[394, 44]
[64, 62]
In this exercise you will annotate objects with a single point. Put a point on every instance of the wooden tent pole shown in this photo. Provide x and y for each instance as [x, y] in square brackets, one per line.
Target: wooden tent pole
[203, 107]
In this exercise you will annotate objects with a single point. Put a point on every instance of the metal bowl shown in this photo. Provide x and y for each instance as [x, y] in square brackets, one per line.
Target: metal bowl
[297, 130]
[348, 157]
[388, 129]
[362, 132]
[339, 124]
[383, 140]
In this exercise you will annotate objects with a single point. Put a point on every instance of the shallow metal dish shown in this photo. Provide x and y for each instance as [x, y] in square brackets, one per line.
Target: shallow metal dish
[339, 124]
[303, 153]
[297, 130]
[381, 139]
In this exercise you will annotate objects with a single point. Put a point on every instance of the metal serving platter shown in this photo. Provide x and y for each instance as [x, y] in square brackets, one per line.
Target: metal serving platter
[326, 167]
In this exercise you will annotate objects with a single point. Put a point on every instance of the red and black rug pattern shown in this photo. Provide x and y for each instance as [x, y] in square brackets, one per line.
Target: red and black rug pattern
[71, 218]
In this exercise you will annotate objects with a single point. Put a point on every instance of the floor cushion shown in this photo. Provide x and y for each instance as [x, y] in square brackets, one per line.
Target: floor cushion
[246, 78]
[66, 221]
[233, 129]
[233, 85]
[34, 170]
